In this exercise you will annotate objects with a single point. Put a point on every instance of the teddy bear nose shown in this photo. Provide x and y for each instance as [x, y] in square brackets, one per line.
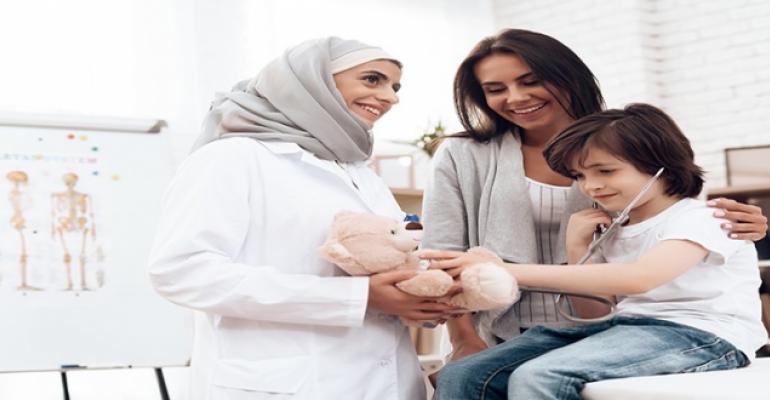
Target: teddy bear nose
[416, 247]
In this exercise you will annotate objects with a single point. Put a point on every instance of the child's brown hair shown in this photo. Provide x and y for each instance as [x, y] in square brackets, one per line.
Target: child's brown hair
[640, 134]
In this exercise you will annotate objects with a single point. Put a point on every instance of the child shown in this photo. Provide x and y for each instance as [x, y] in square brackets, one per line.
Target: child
[686, 293]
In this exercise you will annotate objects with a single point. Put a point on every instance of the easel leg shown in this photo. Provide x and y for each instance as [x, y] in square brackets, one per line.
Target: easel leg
[65, 389]
[161, 384]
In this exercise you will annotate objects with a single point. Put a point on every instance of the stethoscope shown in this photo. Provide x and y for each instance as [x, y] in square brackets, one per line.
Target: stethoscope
[599, 238]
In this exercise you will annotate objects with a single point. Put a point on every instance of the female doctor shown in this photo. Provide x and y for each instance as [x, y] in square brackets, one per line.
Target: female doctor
[244, 217]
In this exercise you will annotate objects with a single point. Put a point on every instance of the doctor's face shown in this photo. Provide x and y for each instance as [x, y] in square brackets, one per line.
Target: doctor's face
[369, 89]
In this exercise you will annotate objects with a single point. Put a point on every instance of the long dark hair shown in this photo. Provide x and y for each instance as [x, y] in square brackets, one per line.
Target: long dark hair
[550, 61]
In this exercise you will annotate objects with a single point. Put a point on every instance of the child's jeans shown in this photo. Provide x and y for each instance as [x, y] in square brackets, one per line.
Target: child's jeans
[545, 363]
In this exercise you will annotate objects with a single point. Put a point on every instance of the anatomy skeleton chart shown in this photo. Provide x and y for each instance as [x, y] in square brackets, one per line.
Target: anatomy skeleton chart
[79, 200]
[48, 225]
[72, 237]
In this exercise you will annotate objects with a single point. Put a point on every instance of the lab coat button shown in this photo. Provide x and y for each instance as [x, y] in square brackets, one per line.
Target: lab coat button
[384, 362]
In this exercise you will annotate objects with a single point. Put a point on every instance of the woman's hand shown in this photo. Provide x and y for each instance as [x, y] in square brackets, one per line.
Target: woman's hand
[582, 225]
[454, 262]
[747, 221]
[389, 299]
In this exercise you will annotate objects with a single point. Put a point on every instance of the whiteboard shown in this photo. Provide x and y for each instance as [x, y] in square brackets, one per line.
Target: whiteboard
[78, 209]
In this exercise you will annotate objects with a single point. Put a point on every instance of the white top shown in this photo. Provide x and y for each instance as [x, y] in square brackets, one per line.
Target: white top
[238, 243]
[718, 295]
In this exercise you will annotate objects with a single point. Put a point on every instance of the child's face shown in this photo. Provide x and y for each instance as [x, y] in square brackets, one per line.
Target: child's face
[613, 183]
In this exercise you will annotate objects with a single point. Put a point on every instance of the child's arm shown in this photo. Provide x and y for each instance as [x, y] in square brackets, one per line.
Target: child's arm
[662, 263]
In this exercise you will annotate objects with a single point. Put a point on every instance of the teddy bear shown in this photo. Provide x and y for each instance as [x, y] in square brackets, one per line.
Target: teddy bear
[362, 244]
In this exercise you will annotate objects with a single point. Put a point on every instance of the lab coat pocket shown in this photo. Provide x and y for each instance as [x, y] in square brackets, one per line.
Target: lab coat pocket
[275, 375]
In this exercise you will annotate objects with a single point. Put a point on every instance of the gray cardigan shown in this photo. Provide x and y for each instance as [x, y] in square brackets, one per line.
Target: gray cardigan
[478, 197]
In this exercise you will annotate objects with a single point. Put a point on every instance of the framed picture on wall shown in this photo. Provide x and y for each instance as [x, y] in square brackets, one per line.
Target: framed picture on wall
[748, 165]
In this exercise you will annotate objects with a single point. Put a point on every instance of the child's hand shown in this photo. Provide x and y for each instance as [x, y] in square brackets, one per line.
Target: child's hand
[582, 225]
[454, 262]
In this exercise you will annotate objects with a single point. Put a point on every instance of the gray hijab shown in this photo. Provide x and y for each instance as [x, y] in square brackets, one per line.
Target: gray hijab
[294, 99]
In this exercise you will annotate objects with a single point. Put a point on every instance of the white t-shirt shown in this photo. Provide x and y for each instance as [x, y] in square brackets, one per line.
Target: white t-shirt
[718, 295]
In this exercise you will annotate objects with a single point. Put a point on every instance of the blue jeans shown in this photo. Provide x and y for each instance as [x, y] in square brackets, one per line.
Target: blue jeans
[545, 363]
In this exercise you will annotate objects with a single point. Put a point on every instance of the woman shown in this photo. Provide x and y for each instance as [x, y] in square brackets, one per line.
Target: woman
[493, 188]
[244, 217]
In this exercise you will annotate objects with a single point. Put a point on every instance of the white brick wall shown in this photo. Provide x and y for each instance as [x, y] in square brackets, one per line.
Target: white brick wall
[706, 62]
[715, 75]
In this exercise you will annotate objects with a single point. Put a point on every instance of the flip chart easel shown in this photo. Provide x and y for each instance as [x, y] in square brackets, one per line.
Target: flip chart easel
[80, 199]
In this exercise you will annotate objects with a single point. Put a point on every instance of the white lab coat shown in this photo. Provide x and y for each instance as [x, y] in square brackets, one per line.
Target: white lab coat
[238, 243]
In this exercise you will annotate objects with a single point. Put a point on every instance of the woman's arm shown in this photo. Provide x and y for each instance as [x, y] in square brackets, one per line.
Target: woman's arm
[463, 337]
[206, 215]
[748, 222]
[443, 211]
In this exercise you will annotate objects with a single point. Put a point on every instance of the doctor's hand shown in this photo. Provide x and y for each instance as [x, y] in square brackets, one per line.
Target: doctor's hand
[386, 297]
[454, 262]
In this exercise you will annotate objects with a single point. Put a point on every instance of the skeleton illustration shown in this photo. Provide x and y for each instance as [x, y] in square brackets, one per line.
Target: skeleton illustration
[72, 212]
[18, 222]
